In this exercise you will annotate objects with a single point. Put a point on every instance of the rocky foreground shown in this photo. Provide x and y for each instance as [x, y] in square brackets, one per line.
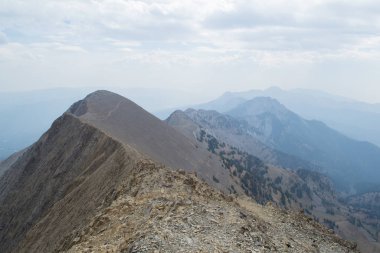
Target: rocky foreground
[160, 210]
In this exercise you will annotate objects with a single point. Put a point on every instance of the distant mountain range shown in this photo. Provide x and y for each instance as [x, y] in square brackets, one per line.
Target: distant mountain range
[357, 120]
[264, 127]
[348, 162]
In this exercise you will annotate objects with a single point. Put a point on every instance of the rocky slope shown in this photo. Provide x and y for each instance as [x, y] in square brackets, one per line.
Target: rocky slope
[168, 211]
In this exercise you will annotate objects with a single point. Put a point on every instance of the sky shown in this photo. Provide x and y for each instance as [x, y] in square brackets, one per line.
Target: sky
[200, 47]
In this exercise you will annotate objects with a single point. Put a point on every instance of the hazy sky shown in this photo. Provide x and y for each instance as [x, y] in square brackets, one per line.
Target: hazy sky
[199, 46]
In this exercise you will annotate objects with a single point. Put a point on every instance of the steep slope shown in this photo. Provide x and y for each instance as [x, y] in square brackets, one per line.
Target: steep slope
[350, 163]
[355, 119]
[7, 163]
[73, 167]
[169, 211]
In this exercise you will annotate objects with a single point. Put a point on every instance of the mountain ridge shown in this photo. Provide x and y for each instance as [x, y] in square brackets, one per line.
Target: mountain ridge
[355, 119]
[129, 123]
[86, 161]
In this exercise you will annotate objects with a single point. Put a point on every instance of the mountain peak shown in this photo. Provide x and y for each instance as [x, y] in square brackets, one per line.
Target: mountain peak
[260, 105]
[99, 104]
[264, 99]
[104, 95]
[128, 123]
[178, 116]
[274, 89]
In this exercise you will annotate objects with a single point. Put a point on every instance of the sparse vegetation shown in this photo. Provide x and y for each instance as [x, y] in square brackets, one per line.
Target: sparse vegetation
[278, 180]
[213, 144]
[202, 135]
[330, 211]
[329, 223]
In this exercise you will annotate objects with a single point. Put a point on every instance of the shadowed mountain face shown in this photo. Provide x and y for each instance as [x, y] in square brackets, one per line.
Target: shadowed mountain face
[71, 169]
[350, 163]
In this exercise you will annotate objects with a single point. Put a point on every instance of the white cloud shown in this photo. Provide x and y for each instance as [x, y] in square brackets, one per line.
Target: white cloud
[259, 25]
[183, 39]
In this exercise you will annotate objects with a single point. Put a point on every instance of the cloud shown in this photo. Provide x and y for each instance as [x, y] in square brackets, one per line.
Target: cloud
[3, 38]
[184, 38]
[240, 25]
[319, 30]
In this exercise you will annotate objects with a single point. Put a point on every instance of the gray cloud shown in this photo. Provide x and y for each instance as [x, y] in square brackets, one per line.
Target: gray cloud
[327, 26]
